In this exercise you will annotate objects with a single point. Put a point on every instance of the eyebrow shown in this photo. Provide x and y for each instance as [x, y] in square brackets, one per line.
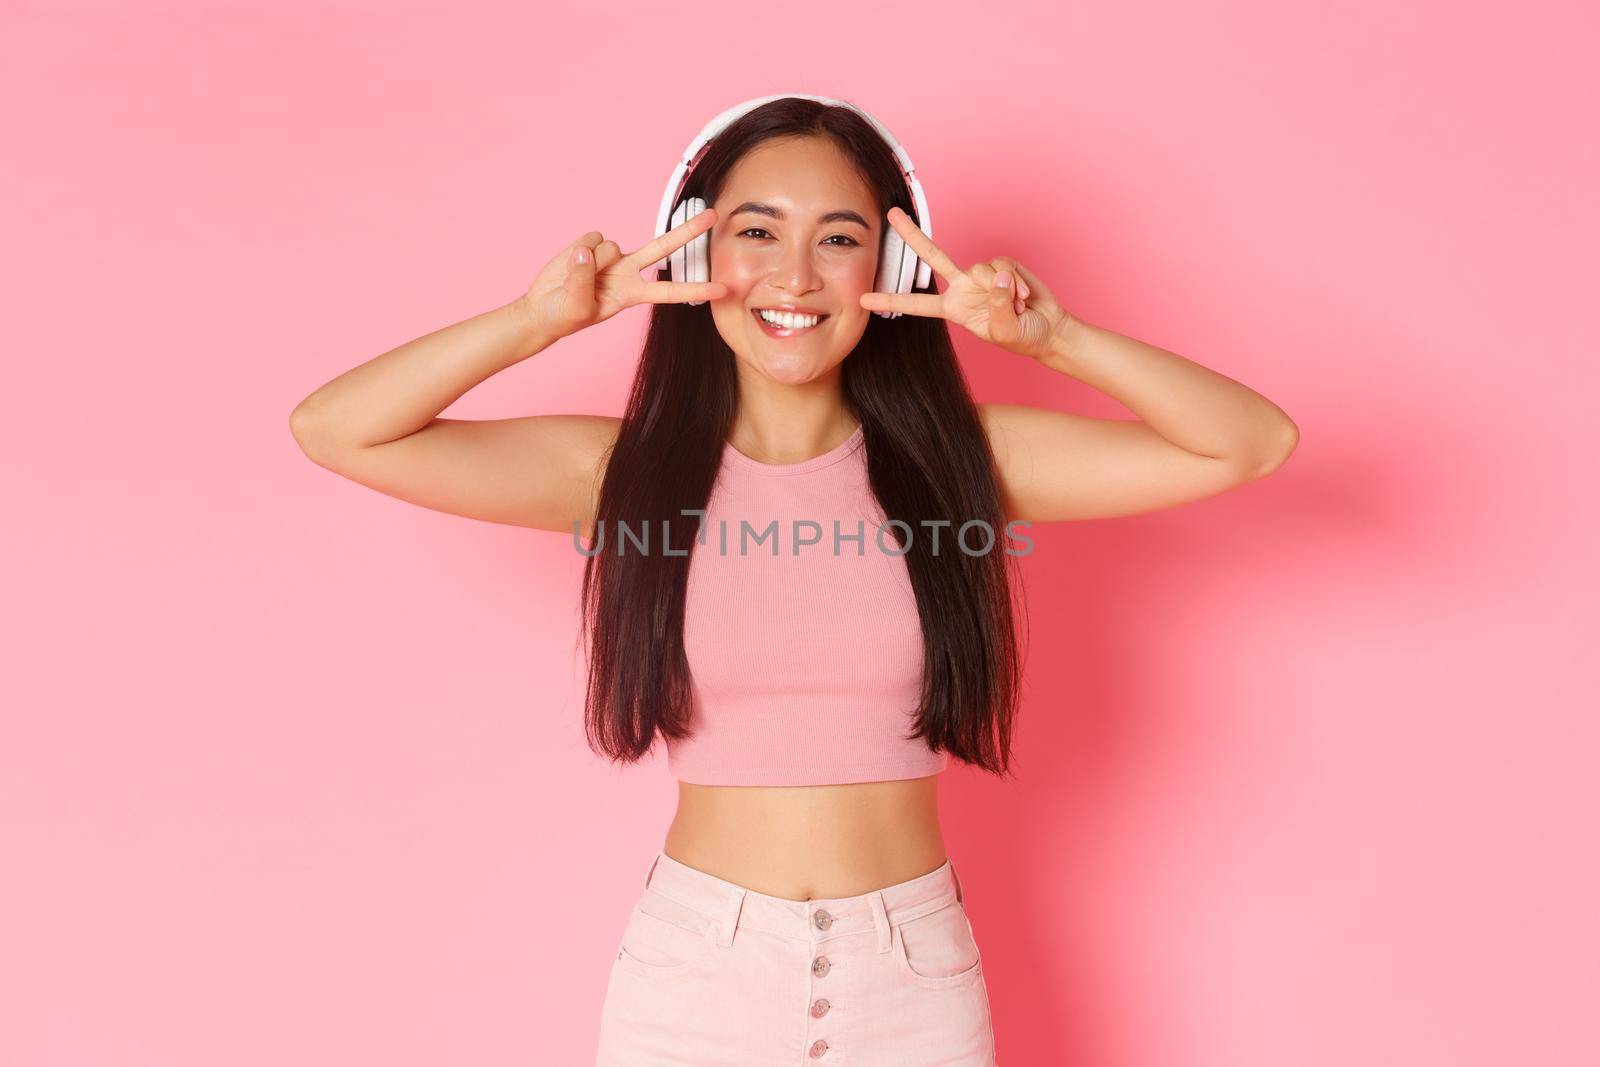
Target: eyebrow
[757, 208]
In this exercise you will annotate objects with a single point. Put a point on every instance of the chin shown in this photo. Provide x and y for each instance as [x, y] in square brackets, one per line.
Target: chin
[791, 370]
[786, 368]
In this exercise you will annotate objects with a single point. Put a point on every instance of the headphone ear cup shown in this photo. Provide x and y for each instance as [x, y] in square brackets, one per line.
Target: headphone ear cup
[896, 266]
[692, 262]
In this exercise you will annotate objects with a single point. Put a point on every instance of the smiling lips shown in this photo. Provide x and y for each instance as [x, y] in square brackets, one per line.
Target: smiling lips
[784, 331]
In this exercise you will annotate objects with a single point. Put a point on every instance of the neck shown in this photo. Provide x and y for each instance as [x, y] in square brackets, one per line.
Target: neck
[791, 433]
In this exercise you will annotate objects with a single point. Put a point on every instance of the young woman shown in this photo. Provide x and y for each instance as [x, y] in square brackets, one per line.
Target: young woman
[799, 567]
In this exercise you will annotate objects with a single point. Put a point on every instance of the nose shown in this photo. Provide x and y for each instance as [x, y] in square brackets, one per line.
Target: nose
[795, 272]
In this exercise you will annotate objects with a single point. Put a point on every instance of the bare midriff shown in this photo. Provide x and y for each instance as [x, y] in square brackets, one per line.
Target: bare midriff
[809, 842]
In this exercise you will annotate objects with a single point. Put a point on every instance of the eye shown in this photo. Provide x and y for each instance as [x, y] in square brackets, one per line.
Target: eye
[844, 237]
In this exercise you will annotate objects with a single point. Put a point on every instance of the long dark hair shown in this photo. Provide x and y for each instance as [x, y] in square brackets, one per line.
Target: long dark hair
[928, 458]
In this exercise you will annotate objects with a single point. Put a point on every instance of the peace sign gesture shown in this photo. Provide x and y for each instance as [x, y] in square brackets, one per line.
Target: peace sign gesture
[1020, 315]
[591, 280]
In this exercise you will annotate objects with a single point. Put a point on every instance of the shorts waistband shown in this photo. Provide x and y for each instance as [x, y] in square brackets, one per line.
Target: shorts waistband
[731, 906]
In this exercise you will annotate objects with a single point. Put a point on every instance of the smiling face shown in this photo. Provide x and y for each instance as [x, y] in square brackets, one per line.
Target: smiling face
[797, 226]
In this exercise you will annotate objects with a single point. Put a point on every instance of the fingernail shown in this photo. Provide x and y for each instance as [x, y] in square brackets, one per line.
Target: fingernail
[580, 255]
[1003, 279]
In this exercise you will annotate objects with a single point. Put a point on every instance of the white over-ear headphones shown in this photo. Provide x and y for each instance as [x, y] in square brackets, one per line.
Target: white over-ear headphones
[897, 264]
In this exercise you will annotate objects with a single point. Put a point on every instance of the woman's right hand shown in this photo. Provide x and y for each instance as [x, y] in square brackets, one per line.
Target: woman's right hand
[570, 294]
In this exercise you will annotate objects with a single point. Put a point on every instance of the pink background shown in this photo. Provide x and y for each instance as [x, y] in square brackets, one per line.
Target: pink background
[292, 772]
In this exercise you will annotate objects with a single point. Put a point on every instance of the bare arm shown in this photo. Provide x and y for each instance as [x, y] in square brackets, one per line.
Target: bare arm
[378, 423]
[1199, 433]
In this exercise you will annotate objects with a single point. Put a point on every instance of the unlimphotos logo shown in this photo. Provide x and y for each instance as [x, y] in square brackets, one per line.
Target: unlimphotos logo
[975, 537]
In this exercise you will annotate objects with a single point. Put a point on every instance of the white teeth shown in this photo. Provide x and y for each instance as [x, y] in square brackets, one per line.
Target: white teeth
[787, 320]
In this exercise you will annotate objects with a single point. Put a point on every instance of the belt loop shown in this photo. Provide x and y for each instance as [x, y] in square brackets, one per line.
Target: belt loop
[957, 879]
[880, 919]
[651, 872]
[730, 916]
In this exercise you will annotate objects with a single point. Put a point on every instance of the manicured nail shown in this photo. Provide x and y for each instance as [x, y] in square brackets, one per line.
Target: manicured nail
[1003, 279]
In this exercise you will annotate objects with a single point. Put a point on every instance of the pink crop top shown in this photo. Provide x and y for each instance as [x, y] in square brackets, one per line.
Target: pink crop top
[806, 664]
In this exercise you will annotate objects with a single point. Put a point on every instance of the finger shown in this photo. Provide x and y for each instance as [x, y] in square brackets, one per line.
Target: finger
[673, 239]
[1003, 326]
[1032, 280]
[579, 281]
[1024, 290]
[930, 305]
[605, 254]
[1020, 277]
[589, 240]
[923, 245]
[679, 292]
[983, 275]
[1000, 263]
[1019, 301]
[1005, 263]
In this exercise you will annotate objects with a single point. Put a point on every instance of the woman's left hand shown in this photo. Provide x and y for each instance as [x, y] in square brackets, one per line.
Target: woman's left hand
[1022, 317]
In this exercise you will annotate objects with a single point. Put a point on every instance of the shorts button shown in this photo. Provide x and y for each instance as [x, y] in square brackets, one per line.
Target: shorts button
[819, 1007]
[820, 965]
[818, 1047]
[822, 919]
